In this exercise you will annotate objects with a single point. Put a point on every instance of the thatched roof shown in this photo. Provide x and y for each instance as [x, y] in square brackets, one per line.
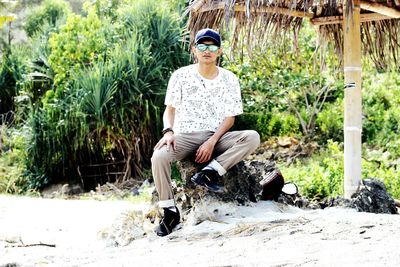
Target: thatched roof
[258, 20]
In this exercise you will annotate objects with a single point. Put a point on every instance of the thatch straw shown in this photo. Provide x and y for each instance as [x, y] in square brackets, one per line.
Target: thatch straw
[253, 22]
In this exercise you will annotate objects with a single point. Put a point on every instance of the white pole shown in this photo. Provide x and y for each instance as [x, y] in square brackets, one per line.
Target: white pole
[352, 99]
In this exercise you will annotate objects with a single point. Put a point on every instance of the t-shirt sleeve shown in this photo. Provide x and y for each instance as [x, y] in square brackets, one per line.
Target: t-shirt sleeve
[174, 92]
[233, 100]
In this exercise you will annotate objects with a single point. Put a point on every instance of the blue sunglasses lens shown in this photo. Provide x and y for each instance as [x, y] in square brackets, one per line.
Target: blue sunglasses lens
[204, 47]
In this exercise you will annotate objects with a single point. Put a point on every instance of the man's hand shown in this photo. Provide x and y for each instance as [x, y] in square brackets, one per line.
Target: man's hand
[204, 152]
[168, 139]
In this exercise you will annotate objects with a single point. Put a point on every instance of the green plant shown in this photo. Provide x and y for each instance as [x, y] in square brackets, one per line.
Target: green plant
[283, 86]
[329, 122]
[107, 107]
[79, 42]
[47, 13]
[12, 154]
[320, 176]
[381, 98]
[12, 71]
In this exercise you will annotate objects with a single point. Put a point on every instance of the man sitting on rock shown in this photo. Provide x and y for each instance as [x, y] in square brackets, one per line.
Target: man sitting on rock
[202, 101]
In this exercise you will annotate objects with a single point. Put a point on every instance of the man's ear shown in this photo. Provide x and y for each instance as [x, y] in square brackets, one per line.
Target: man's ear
[194, 53]
[194, 49]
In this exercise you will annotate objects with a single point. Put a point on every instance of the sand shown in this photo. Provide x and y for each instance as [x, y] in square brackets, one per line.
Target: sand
[85, 233]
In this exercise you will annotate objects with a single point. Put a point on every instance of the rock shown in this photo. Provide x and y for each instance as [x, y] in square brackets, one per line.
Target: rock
[287, 141]
[10, 265]
[241, 183]
[373, 197]
[62, 190]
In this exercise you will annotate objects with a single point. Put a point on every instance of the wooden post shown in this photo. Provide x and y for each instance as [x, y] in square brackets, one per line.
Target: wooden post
[352, 99]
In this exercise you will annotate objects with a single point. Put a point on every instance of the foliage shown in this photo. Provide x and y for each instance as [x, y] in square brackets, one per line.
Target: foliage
[278, 81]
[320, 176]
[381, 99]
[90, 90]
[329, 122]
[106, 106]
[5, 15]
[48, 13]
[80, 42]
[40, 78]
[386, 172]
[12, 71]
[270, 124]
[12, 154]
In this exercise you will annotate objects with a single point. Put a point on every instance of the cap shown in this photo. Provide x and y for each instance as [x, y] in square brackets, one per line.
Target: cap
[208, 33]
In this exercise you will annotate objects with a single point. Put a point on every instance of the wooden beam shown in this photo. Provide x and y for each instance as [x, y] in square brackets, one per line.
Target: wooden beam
[352, 98]
[196, 5]
[339, 19]
[379, 8]
[279, 10]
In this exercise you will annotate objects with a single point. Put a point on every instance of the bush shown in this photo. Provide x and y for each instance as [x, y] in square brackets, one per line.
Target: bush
[381, 99]
[269, 124]
[12, 155]
[329, 122]
[79, 43]
[48, 13]
[12, 71]
[320, 176]
[106, 107]
[286, 87]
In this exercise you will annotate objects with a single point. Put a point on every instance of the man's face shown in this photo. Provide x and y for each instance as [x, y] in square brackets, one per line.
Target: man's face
[207, 52]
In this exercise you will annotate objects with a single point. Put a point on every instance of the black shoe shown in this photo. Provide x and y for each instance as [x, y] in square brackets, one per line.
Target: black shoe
[208, 179]
[168, 222]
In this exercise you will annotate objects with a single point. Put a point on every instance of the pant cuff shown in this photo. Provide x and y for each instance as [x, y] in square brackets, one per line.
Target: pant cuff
[166, 203]
[216, 166]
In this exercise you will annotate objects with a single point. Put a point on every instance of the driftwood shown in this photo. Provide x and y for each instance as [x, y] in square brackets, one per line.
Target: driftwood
[23, 245]
[33, 245]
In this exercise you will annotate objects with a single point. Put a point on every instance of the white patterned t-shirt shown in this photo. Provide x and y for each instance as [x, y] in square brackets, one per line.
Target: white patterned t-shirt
[202, 104]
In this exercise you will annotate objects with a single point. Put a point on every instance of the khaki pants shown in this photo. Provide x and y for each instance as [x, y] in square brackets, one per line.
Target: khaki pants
[231, 148]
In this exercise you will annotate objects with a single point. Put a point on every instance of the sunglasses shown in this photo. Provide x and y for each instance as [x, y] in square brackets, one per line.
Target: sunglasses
[210, 47]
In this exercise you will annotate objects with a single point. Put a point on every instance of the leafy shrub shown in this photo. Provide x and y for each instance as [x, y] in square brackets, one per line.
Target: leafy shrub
[320, 176]
[381, 99]
[80, 42]
[12, 71]
[12, 155]
[107, 107]
[268, 124]
[285, 87]
[388, 174]
[329, 122]
[47, 13]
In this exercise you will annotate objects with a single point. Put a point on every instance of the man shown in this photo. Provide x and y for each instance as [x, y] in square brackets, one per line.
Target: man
[202, 101]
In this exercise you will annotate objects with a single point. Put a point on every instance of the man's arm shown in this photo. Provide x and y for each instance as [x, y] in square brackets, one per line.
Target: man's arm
[204, 152]
[168, 121]
[169, 117]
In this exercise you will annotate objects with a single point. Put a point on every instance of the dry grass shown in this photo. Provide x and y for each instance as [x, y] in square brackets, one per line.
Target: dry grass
[251, 27]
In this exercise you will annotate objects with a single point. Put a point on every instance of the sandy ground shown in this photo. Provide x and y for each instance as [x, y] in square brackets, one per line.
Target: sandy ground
[215, 234]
